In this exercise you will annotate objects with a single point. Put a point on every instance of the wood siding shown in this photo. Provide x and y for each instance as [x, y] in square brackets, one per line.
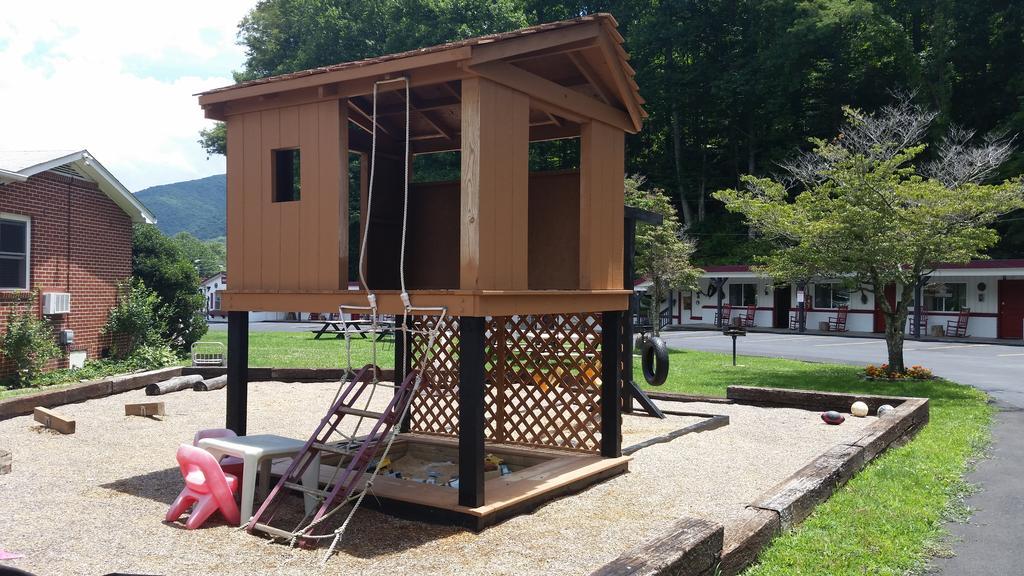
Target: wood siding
[285, 246]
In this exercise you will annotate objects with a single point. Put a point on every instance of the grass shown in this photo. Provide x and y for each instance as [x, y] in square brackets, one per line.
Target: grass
[887, 519]
[300, 350]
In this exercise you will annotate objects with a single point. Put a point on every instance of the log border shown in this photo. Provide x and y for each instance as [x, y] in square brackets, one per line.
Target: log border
[781, 507]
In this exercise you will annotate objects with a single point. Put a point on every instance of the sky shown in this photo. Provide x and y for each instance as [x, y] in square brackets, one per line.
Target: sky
[117, 78]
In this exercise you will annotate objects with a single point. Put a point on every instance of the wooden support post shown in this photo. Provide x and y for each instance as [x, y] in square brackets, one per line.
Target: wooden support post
[402, 365]
[628, 256]
[611, 390]
[238, 371]
[471, 411]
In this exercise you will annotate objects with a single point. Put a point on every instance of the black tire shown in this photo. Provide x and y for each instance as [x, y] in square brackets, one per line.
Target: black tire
[654, 361]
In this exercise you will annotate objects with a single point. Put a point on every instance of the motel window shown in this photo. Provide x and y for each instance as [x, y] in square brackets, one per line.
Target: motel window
[830, 296]
[14, 253]
[216, 300]
[743, 294]
[945, 297]
[286, 175]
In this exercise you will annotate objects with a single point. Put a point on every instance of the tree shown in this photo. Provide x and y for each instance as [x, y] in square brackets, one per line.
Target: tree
[28, 344]
[135, 321]
[870, 208]
[662, 252]
[209, 256]
[162, 266]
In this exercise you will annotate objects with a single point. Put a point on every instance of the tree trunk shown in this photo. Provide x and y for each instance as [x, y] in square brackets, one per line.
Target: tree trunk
[895, 314]
[677, 155]
[655, 310]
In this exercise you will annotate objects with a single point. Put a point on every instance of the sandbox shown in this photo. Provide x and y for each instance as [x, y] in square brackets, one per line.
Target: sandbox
[93, 502]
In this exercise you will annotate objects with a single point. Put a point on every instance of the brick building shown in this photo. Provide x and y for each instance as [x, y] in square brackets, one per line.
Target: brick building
[65, 234]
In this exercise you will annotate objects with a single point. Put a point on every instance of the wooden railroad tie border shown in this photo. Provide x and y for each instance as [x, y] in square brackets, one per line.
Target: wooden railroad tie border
[789, 501]
[5, 462]
[691, 547]
[51, 419]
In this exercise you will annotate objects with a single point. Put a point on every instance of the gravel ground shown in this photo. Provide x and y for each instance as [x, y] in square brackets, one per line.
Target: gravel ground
[93, 502]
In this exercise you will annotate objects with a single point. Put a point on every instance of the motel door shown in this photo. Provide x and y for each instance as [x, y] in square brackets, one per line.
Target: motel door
[1011, 309]
[879, 324]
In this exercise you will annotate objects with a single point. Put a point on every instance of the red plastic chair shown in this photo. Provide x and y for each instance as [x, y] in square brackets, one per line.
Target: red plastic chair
[206, 485]
[229, 464]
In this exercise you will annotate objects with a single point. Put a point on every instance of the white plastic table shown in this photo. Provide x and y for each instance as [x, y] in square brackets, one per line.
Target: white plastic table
[258, 451]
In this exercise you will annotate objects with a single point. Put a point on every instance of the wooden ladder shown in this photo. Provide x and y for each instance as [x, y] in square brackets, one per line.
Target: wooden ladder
[361, 452]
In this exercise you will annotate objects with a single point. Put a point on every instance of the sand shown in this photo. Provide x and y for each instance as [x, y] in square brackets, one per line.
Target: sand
[94, 502]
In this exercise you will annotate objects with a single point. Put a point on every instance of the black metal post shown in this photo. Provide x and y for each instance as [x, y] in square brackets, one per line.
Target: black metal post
[629, 279]
[471, 411]
[733, 349]
[611, 390]
[238, 371]
[402, 364]
[801, 288]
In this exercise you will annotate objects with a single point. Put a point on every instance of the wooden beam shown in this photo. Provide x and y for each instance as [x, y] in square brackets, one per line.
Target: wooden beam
[421, 105]
[622, 84]
[563, 49]
[556, 95]
[534, 42]
[146, 408]
[592, 77]
[53, 420]
[352, 72]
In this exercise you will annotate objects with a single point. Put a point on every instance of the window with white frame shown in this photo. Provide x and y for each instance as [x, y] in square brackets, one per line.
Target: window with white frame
[830, 296]
[14, 252]
[743, 294]
[945, 296]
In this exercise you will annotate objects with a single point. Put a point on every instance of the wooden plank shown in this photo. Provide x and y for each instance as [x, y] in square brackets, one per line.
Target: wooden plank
[309, 239]
[746, 538]
[691, 547]
[235, 199]
[53, 420]
[146, 409]
[545, 90]
[622, 81]
[795, 497]
[808, 399]
[469, 198]
[343, 75]
[252, 174]
[533, 42]
[270, 266]
[5, 462]
[601, 211]
[459, 302]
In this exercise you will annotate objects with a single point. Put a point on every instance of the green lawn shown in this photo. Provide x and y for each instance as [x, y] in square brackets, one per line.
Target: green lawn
[888, 519]
[300, 350]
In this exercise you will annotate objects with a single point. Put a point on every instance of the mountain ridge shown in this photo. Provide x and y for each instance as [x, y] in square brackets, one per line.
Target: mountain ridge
[198, 206]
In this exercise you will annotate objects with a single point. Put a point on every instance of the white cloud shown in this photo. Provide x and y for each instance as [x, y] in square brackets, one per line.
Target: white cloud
[117, 78]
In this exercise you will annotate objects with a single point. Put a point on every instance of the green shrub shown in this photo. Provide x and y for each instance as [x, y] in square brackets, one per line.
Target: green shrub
[134, 321]
[152, 356]
[28, 343]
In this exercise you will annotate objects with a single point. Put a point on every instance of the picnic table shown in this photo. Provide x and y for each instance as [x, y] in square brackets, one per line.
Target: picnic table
[360, 327]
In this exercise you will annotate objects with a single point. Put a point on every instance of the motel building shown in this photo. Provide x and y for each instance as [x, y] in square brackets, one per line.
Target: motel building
[991, 290]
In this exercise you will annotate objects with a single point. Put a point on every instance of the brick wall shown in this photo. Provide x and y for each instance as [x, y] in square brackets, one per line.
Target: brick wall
[81, 243]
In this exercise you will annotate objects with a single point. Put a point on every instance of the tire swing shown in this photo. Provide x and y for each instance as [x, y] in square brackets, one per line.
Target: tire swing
[654, 361]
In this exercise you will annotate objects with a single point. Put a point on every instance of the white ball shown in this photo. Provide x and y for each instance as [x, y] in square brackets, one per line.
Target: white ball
[885, 409]
[859, 409]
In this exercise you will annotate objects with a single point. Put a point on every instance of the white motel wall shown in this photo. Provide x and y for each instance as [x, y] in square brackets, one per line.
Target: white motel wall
[993, 290]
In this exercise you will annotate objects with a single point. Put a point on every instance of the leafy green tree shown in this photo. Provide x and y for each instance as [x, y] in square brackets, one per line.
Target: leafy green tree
[869, 209]
[135, 321]
[662, 252]
[209, 256]
[165, 268]
[28, 344]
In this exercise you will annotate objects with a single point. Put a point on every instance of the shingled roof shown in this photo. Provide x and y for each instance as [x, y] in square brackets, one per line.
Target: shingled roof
[583, 41]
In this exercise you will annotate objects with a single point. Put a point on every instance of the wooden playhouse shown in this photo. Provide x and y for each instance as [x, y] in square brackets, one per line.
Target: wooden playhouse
[529, 265]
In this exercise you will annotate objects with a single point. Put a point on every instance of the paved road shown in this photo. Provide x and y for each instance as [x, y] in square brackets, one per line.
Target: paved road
[272, 326]
[993, 541]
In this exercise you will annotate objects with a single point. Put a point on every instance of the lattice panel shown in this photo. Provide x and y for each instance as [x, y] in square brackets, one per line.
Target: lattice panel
[435, 409]
[543, 376]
